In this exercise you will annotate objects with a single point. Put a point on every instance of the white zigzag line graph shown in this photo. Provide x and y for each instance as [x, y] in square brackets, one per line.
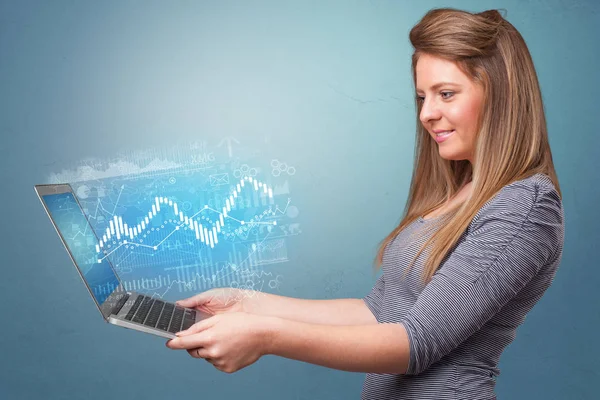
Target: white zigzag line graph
[117, 228]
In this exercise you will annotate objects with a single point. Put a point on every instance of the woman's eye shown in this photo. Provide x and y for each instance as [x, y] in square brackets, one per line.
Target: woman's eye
[445, 96]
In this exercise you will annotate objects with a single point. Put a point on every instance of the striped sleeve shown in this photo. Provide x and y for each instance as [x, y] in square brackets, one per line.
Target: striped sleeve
[510, 241]
[374, 299]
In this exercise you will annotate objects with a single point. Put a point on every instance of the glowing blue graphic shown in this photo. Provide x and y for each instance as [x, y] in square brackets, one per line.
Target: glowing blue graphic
[125, 234]
[188, 217]
[82, 244]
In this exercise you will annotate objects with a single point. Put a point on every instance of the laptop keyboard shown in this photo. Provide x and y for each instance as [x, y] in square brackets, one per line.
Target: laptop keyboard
[158, 314]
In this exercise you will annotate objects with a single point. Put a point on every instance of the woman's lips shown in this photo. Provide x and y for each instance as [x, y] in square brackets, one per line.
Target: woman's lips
[441, 138]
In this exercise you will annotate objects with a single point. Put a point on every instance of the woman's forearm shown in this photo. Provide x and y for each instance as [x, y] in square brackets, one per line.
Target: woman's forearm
[330, 312]
[378, 348]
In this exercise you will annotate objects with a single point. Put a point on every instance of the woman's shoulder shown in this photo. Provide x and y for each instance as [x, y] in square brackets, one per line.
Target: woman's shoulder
[536, 183]
[531, 186]
[518, 198]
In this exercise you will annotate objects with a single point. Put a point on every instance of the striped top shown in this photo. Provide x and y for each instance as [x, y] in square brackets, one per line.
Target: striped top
[461, 321]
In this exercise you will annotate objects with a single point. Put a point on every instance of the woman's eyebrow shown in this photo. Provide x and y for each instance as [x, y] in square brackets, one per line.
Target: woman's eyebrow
[437, 85]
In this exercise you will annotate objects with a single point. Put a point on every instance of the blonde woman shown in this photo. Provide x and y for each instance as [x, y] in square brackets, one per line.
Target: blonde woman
[479, 243]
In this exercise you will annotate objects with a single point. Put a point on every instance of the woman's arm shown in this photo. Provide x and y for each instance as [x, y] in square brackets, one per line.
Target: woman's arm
[379, 348]
[330, 312]
[232, 341]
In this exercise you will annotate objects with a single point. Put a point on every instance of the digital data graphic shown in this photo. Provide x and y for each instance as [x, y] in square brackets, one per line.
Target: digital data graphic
[81, 242]
[187, 219]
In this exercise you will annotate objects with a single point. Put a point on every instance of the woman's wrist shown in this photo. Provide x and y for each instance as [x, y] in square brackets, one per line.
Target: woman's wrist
[249, 301]
[270, 327]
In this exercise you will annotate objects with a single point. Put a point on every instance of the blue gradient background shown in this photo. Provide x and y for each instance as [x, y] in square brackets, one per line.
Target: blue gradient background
[324, 85]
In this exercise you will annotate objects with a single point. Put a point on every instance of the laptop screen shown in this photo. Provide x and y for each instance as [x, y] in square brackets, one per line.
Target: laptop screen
[82, 244]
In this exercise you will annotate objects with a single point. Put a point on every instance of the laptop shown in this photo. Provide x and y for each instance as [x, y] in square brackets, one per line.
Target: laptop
[117, 305]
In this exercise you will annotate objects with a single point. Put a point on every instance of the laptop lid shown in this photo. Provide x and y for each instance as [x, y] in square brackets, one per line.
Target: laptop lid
[82, 244]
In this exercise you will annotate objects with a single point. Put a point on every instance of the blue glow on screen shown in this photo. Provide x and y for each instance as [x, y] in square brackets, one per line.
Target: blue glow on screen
[81, 241]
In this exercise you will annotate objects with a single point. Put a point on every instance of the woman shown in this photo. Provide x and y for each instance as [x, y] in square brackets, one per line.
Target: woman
[478, 245]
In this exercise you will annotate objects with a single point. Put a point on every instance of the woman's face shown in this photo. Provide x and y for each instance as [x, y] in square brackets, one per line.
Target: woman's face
[450, 102]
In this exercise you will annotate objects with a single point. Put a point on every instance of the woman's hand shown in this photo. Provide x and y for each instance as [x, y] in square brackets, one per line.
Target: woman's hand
[217, 301]
[229, 341]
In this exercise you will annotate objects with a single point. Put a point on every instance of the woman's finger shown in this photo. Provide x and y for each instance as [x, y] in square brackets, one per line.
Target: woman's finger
[194, 301]
[199, 352]
[198, 327]
[195, 336]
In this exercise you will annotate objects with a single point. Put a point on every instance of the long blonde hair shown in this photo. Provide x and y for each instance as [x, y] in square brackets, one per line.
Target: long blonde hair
[512, 139]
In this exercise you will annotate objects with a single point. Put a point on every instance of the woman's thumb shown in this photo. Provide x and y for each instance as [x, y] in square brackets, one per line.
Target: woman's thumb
[192, 301]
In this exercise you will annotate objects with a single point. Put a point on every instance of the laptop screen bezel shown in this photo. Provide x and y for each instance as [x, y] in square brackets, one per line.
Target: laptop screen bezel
[107, 306]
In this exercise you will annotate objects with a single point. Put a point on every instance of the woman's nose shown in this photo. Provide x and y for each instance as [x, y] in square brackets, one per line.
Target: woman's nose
[429, 112]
